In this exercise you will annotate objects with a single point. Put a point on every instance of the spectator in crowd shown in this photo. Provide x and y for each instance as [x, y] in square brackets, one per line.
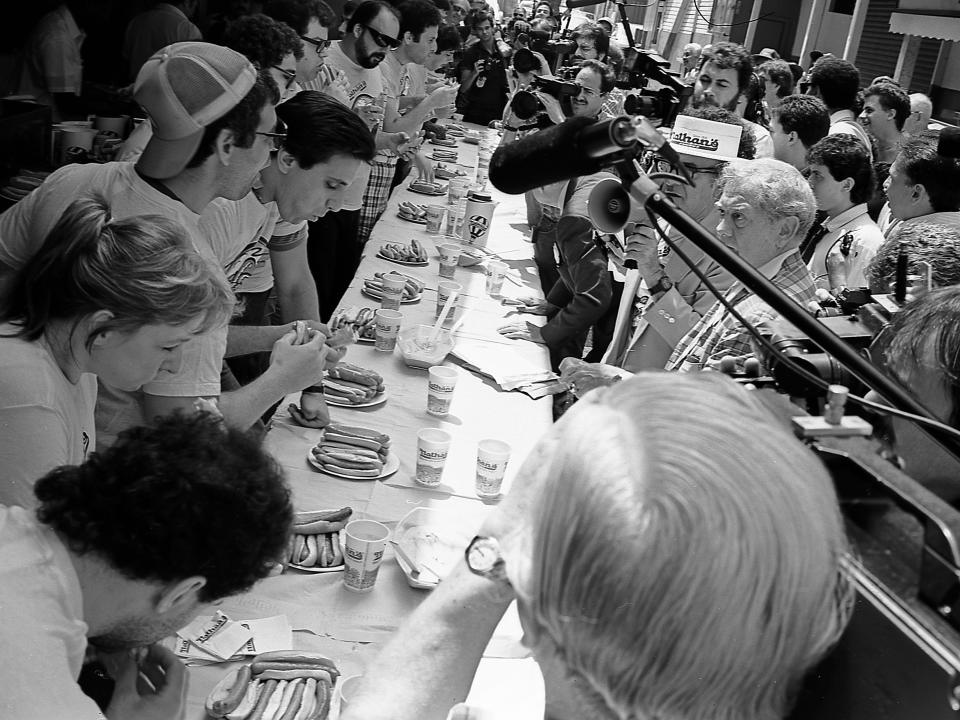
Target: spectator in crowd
[163, 24]
[124, 550]
[690, 62]
[542, 10]
[312, 21]
[842, 180]
[777, 83]
[796, 125]
[921, 348]
[214, 125]
[483, 75]
[271, 45]
[664, 298]
[101, 298]
[593, 43]
[921, 110]
[52, 68]
[922, 184]
[724, 75]
[766, 208]
[621, 623]
[886, 108]
[837, 83]
[933, 243]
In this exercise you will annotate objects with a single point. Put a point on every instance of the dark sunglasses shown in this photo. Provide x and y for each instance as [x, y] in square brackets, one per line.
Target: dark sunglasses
[290, 75]
[278, 135]
[318, 45]
[382, 40]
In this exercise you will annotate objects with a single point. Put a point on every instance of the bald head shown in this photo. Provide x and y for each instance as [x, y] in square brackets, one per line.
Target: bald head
[921, 110]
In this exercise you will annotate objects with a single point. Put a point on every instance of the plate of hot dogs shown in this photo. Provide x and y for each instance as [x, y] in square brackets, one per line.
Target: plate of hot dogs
[277, 685]
[348, 385]
[315, 543]
[361, 321]
[443, 155]
[354, 453]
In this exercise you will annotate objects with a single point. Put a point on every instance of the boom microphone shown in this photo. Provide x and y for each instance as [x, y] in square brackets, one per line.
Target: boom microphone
[573, 4]
[578, 146]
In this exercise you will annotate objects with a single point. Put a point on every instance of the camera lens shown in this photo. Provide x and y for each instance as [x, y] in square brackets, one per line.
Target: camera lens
[525, 105]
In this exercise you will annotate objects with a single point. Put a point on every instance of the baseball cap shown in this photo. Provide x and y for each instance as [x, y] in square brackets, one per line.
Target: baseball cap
[706, 138]
[183, 88]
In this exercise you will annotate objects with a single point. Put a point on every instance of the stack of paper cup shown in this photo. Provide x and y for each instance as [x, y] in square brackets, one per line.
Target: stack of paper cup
[440, 387]
[432, 448]
[492, 458]
[456, 198]
[363, 553]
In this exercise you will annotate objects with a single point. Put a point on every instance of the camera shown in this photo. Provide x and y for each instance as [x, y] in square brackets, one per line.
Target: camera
[663, 104]
[526, 104]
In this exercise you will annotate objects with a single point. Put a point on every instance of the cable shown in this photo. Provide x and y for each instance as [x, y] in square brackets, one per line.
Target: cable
[713, 24]
[781, 357]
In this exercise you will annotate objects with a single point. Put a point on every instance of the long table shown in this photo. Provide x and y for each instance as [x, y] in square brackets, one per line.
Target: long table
[350, 627]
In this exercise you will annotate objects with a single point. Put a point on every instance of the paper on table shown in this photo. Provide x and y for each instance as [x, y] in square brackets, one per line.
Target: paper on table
[266, 634]
[271, 633]
[508, 369]
[218, 635]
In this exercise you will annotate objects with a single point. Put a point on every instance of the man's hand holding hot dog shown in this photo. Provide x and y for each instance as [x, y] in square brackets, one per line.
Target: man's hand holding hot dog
[153, 689]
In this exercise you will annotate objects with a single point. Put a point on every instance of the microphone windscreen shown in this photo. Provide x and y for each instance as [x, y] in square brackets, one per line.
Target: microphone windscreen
[542, 158]
[572, 4]
[949, 143]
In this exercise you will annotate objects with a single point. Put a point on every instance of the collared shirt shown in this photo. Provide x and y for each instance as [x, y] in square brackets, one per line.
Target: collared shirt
[891, 226]
[853, 235]
[719, 334]
[152, 30]
[52, 61]
[844, 122]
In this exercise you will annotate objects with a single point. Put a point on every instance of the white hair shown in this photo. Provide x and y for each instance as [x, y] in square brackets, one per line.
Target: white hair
[774, 186]
[685, 555]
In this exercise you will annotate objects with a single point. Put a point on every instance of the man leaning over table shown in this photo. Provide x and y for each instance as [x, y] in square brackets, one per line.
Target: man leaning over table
[765, 209]
[214, 123]
[125, 550]
[664, 298]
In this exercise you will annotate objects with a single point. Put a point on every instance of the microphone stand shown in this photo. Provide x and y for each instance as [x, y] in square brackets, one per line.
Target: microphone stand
[646, 192]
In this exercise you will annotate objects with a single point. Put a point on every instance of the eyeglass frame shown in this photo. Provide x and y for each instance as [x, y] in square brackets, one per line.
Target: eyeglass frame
[381, 39]
[278, 135]
[658, 164]
[318, 45]
[290, 75]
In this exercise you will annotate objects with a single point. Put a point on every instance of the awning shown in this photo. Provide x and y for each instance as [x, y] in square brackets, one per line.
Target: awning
[936, 25]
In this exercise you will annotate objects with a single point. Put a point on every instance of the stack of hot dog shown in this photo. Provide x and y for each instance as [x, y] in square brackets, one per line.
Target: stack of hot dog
[351, 385]
[412, 253]
[353, 451]
[280, 685]
[361, 320]
[316, 538]
[374, 286]
[413, 212]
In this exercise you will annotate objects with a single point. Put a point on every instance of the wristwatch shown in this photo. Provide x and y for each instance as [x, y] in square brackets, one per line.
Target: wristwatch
[663, 284]
[484, 559]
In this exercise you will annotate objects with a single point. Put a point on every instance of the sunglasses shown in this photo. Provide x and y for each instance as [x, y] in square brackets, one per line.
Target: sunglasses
[665, 166]
[318, 45]
[289, 75]
[382, 40]
[278, 135]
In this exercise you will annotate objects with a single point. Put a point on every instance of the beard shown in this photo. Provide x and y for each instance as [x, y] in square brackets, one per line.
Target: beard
[370, 60]
[140, 631]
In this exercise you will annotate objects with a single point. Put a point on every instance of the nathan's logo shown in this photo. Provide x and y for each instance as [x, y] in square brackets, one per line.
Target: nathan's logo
[432, 455]
[478, 225]
[486, 465]
[684, 138]
[440, 387]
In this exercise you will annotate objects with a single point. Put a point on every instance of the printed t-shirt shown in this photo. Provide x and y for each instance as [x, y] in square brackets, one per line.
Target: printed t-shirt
[45, 420]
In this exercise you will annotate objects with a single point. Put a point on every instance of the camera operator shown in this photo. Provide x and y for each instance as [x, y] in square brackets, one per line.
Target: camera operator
[663, 299]
[483, 74]
[921, 349]
[725, 73]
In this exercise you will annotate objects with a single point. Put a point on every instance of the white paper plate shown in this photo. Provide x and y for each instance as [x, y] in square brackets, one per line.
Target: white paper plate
[389, 468]
[411, 220]
[377, 399]
[430, 193]
[408, 263]
[404, 301]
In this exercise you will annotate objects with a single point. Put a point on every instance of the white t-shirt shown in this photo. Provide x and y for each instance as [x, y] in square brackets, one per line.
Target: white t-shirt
[43, 634]
[52, 61]
[25, 226]
[365, 83]
[45, 420]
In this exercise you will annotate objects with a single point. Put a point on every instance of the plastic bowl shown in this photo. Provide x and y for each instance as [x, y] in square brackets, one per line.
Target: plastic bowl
[412, 342]
[469, 258]
[432, 537]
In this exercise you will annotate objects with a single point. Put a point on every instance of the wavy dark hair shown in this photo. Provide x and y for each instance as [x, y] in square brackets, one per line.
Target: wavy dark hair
[242, 120]
[726, 55]
[186, 497]
[846, 157]
[891, 97]
[416, 16]
[263, 40]
[297, 13]
[319, 127]
[804, 114]
[837, 81]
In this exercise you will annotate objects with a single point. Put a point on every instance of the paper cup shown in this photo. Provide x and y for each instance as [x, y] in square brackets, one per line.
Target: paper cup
[444, 290]
[393, 285]
[116, 125]
[456, 199]
[74, 142]
[440, 385]
[492, 458]
[387, 325]
[496, 271]
[449, 258]
[432, 448]
[363, 553]
[346, 689]
[434, 218]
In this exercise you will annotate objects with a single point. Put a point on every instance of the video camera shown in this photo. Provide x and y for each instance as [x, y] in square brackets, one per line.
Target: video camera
[664, 104]
[526, 104]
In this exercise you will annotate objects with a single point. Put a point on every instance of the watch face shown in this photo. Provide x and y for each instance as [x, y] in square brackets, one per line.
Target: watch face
[482, 555]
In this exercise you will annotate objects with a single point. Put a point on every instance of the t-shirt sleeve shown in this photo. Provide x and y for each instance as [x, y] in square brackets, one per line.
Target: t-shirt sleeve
[61, 65]
[33, 441]
[287, 237]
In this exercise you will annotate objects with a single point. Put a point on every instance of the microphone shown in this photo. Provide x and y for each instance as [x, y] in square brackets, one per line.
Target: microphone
[578, 146]
[573, 4]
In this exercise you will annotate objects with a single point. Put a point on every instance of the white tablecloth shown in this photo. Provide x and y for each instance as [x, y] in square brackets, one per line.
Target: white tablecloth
[350, 627]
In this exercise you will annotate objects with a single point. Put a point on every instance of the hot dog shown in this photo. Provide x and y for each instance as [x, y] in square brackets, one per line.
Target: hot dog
[294, 672]
[318, 527]
[302, 657]
[268, 688]
[270, 710]
[343, 513]
[296, 700]
[246, 706]
[309, 701]
[324, 691]
[226, 697]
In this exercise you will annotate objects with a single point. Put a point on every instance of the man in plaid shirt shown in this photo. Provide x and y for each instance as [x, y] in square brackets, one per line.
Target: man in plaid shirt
[766, 208]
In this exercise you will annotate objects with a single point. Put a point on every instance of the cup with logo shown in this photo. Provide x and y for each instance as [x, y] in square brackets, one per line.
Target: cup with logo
[363, 553]
[386, 328]
[441, 383]
[492, 458]
[433, 445]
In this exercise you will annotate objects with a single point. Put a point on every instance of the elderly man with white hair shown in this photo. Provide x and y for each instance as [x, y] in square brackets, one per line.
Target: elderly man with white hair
[766, 208]
[921, 110]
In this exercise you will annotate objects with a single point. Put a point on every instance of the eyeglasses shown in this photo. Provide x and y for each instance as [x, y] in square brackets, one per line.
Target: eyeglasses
[665, 166]
[290, 75]
[318, 45]
[276, 137]
[588, 91]
[382, 40]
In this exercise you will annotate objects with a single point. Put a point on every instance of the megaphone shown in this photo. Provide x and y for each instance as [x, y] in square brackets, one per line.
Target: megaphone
[609, 206]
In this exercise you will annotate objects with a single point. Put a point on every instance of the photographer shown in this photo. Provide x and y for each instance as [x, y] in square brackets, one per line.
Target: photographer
[483, 75]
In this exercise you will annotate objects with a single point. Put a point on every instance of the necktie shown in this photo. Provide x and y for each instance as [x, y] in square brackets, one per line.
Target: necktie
[814, 236]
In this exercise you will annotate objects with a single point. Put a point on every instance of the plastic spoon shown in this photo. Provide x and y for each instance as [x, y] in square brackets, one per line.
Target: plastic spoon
[435, 333]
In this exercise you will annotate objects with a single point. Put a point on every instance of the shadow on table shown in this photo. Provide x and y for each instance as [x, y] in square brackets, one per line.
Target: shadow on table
[523, 229]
